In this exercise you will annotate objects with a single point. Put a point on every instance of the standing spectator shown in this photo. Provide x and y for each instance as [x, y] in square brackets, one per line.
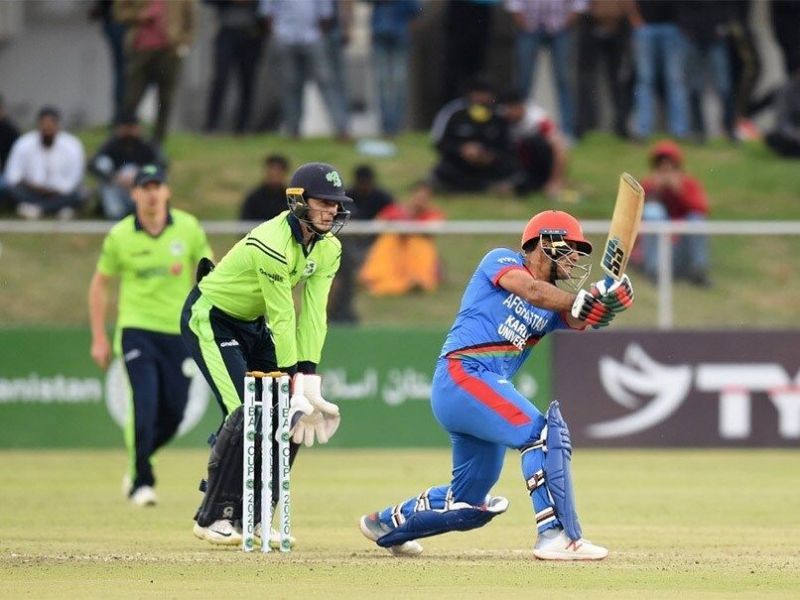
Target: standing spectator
[546, 22]
[390, 44]
[159, 35]
[297, 29]
[786, 26]
[369, 199]
[672, 194]
[659, 48]
[114, 32]
[336, 38]
[704, 24]
[268, 200]
[467, 29]
[604, 35]
[785, 138]
[745, 64]
[116, 164]
[400, 263]
[154, 253]
[45, 169]
[540, 148]
[473, 143]
[237, 46]
[8, 135]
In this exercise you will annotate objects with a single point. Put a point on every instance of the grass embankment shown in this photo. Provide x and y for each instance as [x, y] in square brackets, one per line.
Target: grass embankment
[43, 279]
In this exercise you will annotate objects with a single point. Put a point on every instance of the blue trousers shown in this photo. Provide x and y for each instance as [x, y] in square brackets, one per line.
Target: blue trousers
[484, 414]
[160, 390]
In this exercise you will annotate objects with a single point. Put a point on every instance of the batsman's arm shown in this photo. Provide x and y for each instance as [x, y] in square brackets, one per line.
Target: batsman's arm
[98, 308]
[541, 293]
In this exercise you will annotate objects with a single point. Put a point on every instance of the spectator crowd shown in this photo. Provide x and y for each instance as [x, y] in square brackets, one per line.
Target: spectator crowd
[655, 57]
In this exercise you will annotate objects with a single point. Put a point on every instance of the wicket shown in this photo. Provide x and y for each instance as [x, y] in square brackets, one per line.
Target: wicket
[271, 384]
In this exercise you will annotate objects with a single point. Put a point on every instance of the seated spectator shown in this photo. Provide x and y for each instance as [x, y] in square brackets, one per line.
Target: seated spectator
[8, 135]
[368, 200]
[672, 194]
[473, 142]
[541, 149]
[399, 263]
[785, 137]
[268, 199]
[116, 164]
[45, 170]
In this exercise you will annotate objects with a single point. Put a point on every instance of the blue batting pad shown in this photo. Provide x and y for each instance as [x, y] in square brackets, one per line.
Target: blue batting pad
[557, 471]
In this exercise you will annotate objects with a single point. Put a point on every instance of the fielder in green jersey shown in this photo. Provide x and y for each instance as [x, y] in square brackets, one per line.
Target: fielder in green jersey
[242, 317]
[153, 252]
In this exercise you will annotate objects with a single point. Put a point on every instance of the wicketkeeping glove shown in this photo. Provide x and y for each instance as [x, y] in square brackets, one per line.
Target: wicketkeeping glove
[589, 308]
[312, 417]
[618, 296]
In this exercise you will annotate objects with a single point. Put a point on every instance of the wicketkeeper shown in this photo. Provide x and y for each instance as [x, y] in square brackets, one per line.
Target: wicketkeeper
[241, 317]
[510, 303]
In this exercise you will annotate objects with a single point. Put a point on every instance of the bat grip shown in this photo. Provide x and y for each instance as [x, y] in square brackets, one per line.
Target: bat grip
[609, 281]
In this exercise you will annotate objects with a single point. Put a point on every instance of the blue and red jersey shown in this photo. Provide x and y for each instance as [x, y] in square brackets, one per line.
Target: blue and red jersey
[494, 327]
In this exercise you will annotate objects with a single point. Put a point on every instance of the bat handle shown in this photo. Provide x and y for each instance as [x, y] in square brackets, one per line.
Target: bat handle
[609, 281]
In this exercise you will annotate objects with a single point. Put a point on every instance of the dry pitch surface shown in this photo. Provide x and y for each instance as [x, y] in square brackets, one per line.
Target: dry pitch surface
[688, 524]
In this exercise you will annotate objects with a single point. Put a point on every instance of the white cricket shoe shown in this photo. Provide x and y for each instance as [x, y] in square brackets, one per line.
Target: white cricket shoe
[373, 529]
[144, 496]
[554, 544]
[274, 537]
[221, 532]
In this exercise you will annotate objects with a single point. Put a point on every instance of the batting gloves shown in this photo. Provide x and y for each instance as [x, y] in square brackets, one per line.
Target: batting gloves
[589, 308]
[618, 296]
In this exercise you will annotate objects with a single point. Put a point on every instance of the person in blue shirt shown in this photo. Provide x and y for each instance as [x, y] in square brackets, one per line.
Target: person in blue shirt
[510, 303]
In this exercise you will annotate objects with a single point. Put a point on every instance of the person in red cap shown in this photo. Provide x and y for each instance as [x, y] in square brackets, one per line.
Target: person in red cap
[513, 299]
[670, 193]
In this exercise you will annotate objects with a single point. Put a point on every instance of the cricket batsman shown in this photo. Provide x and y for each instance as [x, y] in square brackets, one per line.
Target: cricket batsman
[510, 303]
[241, 317]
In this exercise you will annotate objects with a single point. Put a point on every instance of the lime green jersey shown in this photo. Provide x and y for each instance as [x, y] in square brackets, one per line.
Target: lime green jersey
[156, 272]
[257, 276]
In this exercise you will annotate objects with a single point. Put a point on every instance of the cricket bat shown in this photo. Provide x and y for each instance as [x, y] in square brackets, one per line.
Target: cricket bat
[624, 228]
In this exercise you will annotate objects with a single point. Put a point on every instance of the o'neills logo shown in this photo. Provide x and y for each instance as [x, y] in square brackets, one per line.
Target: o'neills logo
[651, 392]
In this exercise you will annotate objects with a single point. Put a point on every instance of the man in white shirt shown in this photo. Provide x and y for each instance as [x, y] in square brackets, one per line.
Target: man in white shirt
[45, 169]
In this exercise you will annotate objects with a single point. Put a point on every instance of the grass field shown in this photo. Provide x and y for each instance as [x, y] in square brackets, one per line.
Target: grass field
[687, 524]
[43, 278]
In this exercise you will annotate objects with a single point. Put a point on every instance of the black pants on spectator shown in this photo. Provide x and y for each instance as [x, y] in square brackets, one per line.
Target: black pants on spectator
[158, 67]
[536, 160]
[239, 50]
[449, 175]
[595, 46]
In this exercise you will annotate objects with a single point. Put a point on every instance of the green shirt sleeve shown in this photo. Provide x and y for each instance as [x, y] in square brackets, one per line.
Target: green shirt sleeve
[202, 247]
[313, 321]
[108, 263]
[276, 287]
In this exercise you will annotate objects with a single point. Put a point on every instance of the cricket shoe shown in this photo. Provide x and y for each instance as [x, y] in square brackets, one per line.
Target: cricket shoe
[373, 529]
[554, 544]
[274, 537]
[144, 496]
[221, 532]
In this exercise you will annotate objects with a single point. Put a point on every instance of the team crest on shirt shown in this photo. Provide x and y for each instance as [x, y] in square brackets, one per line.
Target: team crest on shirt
[311, 266]
[177, 247]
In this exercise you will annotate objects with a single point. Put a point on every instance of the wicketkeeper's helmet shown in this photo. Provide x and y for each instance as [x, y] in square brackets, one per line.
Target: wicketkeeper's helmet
[322, 181]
